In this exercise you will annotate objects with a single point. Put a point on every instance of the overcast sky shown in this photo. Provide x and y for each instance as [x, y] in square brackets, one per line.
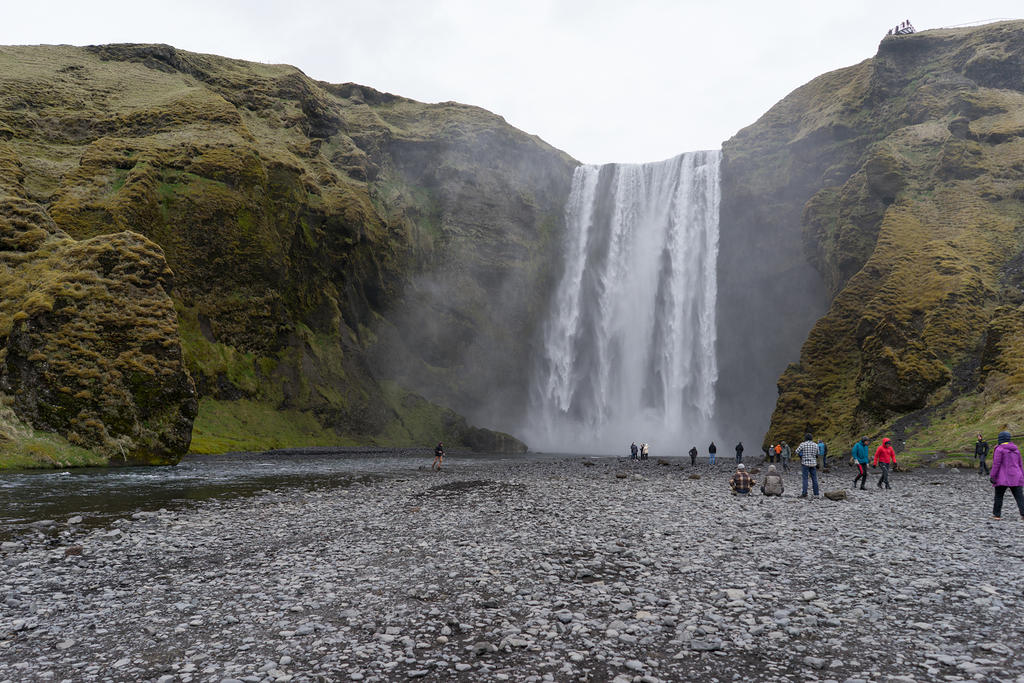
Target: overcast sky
[615, 80]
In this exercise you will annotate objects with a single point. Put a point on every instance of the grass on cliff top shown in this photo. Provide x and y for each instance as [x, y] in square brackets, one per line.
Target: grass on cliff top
[244, 425]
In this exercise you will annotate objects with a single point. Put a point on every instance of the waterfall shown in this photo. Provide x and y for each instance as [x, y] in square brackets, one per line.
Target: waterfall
[629, 345]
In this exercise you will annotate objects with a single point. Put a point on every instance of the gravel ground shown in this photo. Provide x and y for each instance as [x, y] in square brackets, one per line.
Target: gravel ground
[579, 569]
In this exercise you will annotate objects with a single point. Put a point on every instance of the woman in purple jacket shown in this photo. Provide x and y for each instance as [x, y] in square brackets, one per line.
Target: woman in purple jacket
[1006, 473]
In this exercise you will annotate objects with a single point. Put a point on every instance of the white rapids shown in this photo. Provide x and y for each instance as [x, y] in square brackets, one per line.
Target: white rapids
[629, 345]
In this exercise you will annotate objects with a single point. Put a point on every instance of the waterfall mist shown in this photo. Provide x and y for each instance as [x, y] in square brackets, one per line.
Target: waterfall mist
[628, 349]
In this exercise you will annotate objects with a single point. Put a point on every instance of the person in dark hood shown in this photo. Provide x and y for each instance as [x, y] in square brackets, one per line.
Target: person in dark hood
[739, 453]
[712, 449]
[981, 451]
[693, 456]
[438, 456]
[633, 450]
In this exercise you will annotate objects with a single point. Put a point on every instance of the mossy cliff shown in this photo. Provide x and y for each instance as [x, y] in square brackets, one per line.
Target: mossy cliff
[90, 347]
[900, 181]
[333, 248]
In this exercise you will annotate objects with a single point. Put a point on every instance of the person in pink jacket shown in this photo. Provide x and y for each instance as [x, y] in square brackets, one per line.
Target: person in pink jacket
[1007, 473]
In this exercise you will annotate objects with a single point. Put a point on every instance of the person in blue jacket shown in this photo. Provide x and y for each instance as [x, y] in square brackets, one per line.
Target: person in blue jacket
[823, 452]
[860, 456]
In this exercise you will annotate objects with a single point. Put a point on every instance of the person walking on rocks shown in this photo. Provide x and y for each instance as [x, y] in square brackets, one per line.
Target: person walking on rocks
[785, 454]
[712, 449]
[823, 452]
[807, 451]
[633, 450]
[741, 482]
[693, 456]
[981, 451]
[438, 457]
[772, 485]
[885, 458]
[739, 453]
[644, 450]
[861, 458]
[1007, 473]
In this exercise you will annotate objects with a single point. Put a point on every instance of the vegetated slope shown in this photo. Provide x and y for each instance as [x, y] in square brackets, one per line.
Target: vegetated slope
[907, 174]
[332, 247]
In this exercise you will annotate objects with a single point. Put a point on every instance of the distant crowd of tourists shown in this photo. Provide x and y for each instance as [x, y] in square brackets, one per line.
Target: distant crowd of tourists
[1006, 473]
[809, 453]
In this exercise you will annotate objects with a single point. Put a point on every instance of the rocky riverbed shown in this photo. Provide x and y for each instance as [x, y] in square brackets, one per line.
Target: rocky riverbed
[598, 570]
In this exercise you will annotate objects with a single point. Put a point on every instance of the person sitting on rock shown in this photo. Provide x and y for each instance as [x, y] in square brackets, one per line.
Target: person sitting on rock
[741, 482]
[772, 485]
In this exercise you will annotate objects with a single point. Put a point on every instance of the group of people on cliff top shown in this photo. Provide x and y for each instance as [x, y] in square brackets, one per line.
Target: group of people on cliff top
[902, 29]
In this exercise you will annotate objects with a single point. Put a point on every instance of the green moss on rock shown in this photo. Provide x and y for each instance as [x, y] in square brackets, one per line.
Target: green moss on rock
[904, 176]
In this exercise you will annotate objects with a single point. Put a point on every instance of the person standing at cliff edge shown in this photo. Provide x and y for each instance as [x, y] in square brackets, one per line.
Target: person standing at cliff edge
[1007, 473]
[860, 456]
[885, 458]
[981, 451]
[712, 449]
[633, 450]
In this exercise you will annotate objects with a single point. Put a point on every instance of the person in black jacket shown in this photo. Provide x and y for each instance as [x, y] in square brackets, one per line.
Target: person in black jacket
[712, 449]
[633, 450]
[981, 451]
[739, 453]
[693, 456]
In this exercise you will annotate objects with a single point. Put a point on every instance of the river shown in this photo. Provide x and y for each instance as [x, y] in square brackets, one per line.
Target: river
[29, 498]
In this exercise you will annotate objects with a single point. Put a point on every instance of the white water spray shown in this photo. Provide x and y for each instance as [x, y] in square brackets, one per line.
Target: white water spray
[629, 347]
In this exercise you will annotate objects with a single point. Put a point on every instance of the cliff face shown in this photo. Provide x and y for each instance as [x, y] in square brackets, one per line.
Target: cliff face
[900, 182]
[333, 248]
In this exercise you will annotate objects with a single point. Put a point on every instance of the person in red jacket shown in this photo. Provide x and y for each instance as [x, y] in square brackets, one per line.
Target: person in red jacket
[885, 457]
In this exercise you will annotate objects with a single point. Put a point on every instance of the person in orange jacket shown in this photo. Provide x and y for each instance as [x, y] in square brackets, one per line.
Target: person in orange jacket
[885, 457]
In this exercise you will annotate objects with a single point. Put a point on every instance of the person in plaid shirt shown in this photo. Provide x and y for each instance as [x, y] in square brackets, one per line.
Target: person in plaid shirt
[741, 482]
[808, 454]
